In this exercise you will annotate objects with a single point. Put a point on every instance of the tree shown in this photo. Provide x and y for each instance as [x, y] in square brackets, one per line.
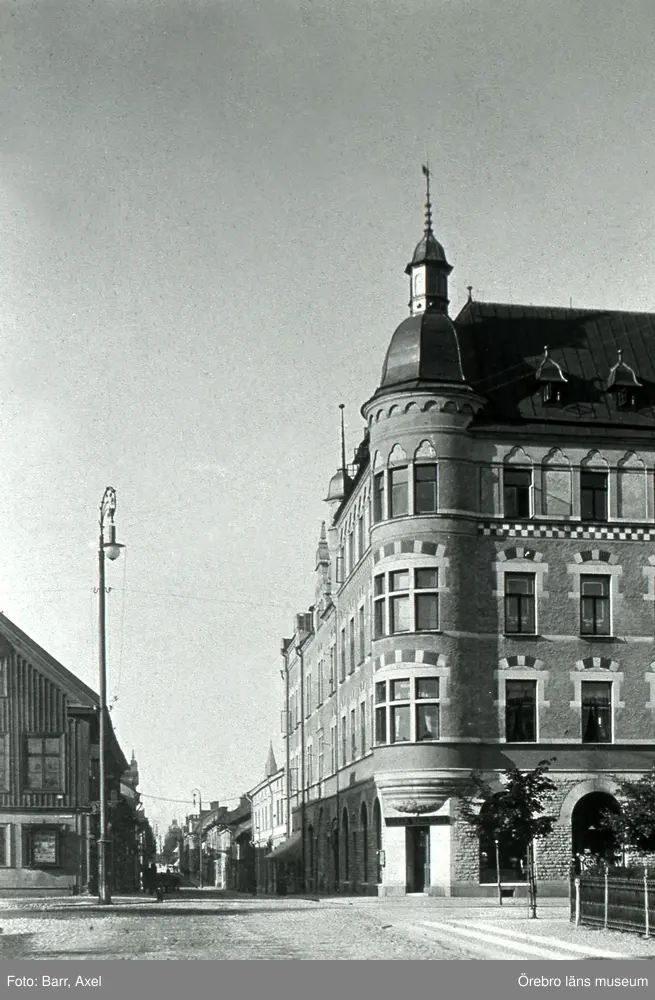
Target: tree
[634, 826]
[515, 814]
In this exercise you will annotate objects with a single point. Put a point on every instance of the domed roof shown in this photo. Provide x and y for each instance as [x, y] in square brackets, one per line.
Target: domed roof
[424, 348]
[338, 485]
[428, 249]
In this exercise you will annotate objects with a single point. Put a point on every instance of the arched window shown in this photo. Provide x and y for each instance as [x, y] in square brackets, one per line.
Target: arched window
[364, 825]
[344, 841]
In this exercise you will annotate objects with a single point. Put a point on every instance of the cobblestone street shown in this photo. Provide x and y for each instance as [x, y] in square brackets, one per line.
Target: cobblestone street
[215, 927]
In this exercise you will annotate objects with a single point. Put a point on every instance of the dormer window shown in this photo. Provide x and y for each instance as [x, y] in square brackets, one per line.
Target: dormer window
[552, 380]
[623, 384]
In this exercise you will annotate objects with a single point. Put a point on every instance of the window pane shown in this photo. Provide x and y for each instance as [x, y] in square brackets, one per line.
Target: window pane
[400, 724]
[399, 580]
[35, 772]
[595, 586]
[426, 579]
[51, 772]
[378, 585]
[519, 583]
[520, 711]
[427, 687]
[400, 614]
[399, 492]
[400, 690]
[34, 746]
[516, 492]
[380, 725]
[427, 722]
[596, 712]
[378, 623]
[425, 489]
[378, 496]
[427, 612]
[381, 691]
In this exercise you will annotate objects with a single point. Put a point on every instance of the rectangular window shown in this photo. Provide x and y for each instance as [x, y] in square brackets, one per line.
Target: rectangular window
[310, 769]
[351, 645]
[308, 696]
[43, 770]
[321, 747]
[521, 711]
[360, 536]
[342, 666]
[517, 485]
[399, 491]
[351, 551]
[378, 497]
[4, 763]
[333, 749]
[400, 724]
[362, 635]
[353, 735]
[426, 604]
[319, 682]
[378, 607]
[362, 729]
[519, 603]
[344, 741]
[5, 845]
[596, 701]
[425, 489]
[593, 496]
[381, 725]
[594, 605]
[333, 672]
[399, 606]
[426, 693]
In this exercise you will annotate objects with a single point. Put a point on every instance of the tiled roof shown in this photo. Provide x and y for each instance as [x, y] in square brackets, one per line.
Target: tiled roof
[503, 345]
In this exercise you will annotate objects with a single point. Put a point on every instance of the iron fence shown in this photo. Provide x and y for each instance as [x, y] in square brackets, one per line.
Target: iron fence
[617, 901]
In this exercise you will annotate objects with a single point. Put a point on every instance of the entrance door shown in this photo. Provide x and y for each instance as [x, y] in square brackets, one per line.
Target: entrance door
[417, 847]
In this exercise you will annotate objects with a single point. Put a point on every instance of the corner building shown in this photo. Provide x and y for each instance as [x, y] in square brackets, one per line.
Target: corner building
[485, 595]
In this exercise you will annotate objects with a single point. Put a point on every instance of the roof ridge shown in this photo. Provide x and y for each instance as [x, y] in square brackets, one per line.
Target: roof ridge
[565, 309]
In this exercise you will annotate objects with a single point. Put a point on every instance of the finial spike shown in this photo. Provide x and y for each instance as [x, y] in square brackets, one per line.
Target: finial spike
[469, 289]
[620, 356]
[343, 442]
[428, 202]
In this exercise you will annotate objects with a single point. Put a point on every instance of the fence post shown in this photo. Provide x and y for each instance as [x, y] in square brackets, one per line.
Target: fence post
[607, 892]
[577, 901]
[646, 913]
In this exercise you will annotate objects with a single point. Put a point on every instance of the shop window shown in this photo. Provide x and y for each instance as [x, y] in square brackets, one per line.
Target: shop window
[5, 845]
[43, 846]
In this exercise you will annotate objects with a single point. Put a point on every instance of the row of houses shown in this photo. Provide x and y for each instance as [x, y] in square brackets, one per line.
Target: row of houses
[484, 599]
[49, 781]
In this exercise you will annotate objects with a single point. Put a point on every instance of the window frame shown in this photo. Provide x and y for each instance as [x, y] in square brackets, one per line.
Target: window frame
[604, 601]
[418, 510]
[378, 497]
[524, 682]
[32, 831]
[512, 498]
[585, 723]
[589, 496]
[389, 704]
[528, 599]
[398, 489]
[43, 788]
[395, 601]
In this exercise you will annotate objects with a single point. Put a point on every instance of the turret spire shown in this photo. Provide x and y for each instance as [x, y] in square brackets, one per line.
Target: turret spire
[428, 269]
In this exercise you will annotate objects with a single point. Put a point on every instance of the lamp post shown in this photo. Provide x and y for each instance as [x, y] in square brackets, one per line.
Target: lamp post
[196, 791]
[111, 549]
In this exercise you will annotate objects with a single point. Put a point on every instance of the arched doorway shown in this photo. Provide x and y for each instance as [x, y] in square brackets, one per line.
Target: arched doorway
[377, 828]
[590, 836]
[364, 825]
[320, 861]
[335, 854]
[309, 874]
[344, 841]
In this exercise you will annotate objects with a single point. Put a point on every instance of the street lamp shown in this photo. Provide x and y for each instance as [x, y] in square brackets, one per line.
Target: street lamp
[197, 791]
[111, 549]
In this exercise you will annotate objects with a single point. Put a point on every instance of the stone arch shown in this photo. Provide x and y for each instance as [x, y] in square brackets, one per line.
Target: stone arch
[599, 783]
[378, 462]
[593, 459]
[517, 456]
[345, 842]
[449, 407]
[631, 461]
[518, 552]
[397, 455]
[596, 555]
[363, 822]
[425, 451]
[392, 409]
[556, 457]
[411, 406]
[430, 405]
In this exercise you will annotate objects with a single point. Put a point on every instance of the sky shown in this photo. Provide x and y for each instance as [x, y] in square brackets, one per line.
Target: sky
[206, 208]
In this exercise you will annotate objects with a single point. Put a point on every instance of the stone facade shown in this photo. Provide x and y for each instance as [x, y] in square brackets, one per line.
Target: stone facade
[403, 676]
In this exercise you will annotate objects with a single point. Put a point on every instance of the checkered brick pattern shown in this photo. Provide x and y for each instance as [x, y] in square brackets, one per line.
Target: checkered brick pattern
[609, 533]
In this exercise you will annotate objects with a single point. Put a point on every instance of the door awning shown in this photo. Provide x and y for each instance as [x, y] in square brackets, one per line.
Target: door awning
[288, 850]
